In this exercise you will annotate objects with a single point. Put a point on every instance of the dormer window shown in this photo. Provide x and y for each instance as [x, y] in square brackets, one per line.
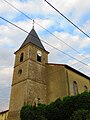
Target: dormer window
[39, 55]
[21, 57]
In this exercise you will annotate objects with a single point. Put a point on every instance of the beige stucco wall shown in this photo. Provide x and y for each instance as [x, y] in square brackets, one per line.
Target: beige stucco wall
[18, 98]
[3, 115]
[80, 79]
[36, 90]
[60, 81]
[56, 82]
[31, 84]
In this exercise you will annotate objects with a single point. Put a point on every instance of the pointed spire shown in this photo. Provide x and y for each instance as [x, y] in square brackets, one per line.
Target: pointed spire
[34, 39]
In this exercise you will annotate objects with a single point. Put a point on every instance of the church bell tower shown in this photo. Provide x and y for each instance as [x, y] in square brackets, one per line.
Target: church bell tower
[29, 81]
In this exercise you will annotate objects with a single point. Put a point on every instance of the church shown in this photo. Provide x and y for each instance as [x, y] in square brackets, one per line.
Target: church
[35, 80]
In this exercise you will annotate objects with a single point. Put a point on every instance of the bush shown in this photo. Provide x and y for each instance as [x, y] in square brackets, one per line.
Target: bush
[53, 110]
[70, 108]
[27, 113]
[81, 115]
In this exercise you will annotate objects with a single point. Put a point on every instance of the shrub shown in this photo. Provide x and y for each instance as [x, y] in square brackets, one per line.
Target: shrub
[70, 108]
[80, 115]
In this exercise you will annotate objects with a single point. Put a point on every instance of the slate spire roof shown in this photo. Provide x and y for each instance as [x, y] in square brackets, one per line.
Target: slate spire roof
[34, 39]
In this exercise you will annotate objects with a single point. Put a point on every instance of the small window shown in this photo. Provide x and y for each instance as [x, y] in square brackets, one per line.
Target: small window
[38, 58]
[19, 72]
[39, 55]
[21, 57]
[85, 88]
[75, 87]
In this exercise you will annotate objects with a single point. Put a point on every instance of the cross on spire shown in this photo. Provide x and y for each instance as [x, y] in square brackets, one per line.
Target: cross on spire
[33, 24]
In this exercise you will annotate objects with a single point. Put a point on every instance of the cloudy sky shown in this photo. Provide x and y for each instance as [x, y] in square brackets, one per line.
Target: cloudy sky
[51, 28]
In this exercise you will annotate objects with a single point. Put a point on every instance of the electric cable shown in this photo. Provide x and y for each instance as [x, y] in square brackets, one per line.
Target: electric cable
[44, 42]
[67, 19]
[42, 27]
[81, 67]
[81, 60]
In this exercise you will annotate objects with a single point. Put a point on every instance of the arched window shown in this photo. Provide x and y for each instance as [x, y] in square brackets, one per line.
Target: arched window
[21, 57]
[75, 87]
[38, 58]
[85, 88]
[39, 55]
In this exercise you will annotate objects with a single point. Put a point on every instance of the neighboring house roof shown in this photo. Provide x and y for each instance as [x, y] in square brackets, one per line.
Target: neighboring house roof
[34, 39]
[2, 112]
[70, 68]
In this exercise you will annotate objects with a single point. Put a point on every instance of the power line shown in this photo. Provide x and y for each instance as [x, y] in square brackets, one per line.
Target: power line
[42, 27]
[67, 19]
[44, 42]
[81, 68]
[81, 60]
[14, 25]
[66, 53]
[17, 9]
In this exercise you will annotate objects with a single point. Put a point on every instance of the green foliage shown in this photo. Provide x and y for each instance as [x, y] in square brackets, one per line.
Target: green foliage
[53, 110]
[27, 113]
[73, 103]
[70, 108]
[80, 115]
[33, 113]
[40, 112]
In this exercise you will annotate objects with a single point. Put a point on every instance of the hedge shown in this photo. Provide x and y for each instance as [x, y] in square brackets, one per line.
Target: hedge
[64, 109]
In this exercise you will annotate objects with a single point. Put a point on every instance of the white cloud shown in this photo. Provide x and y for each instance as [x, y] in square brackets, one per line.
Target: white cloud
[11, 38]
[5, 10]
[6, 76]
[86, 26]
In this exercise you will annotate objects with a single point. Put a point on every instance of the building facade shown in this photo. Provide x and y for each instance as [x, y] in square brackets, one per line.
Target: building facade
[35, 80]
[63, 80]
[3, 115]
